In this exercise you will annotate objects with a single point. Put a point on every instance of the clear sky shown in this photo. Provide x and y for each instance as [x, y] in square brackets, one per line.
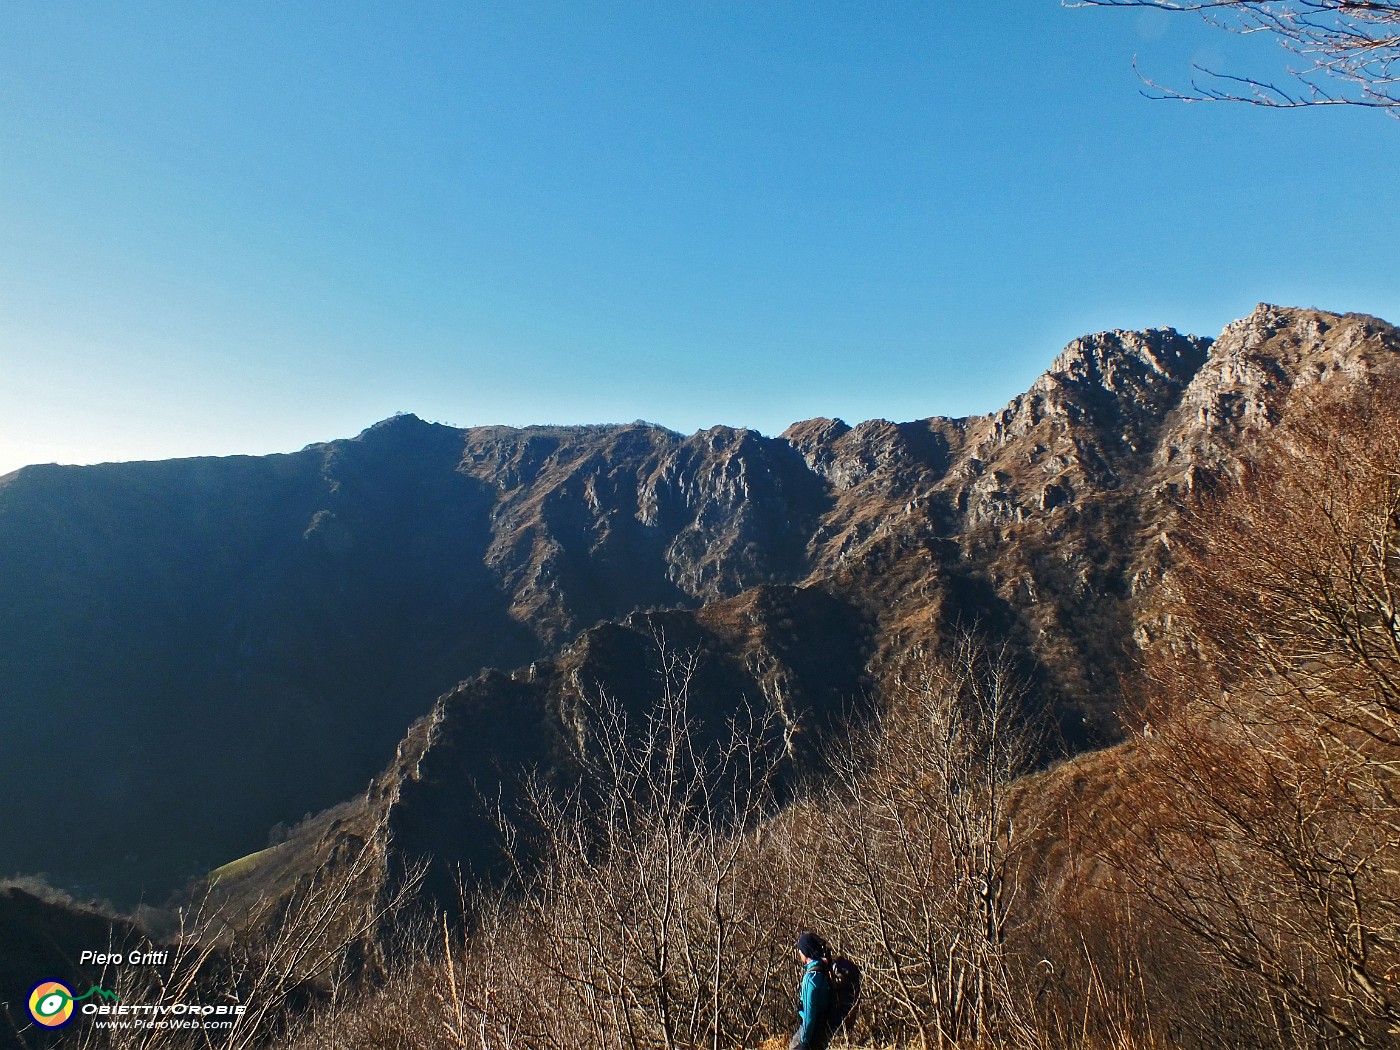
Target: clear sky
[243, 227]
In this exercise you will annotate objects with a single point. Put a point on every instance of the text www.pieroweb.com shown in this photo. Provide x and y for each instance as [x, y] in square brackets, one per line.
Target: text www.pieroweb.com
[127, 1017]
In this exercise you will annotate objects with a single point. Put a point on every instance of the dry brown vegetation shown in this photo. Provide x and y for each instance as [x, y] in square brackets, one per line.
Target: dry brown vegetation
[1230, 878]
[1275, 838]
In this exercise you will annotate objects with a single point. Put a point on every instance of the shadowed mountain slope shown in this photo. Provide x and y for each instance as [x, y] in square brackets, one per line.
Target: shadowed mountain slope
[202, 648]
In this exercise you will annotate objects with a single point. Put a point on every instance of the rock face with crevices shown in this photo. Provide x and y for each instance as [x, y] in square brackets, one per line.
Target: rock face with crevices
[592, 522]
[208, 647]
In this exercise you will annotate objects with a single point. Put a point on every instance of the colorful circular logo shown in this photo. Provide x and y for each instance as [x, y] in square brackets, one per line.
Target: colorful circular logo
[51, 1004]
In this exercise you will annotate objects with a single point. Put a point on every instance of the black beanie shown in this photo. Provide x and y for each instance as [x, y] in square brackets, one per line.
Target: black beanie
[810, 945]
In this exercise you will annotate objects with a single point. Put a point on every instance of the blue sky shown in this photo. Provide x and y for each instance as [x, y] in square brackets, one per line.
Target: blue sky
[245, 227]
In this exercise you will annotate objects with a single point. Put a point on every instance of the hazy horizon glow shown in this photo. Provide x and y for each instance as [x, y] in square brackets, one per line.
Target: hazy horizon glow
[247, 229]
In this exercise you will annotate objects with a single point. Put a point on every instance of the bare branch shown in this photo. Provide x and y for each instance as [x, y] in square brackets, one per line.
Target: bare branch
[1349, 52]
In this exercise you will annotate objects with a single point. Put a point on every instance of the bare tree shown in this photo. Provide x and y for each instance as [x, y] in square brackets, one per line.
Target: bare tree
[920, 851]
[1347, 51]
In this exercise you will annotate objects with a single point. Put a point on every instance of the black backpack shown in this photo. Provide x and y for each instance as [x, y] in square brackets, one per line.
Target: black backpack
[845, 992]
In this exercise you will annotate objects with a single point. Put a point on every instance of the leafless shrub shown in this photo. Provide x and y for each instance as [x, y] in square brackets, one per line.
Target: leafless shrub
[635, 924]
[273, 961]
[917, 856]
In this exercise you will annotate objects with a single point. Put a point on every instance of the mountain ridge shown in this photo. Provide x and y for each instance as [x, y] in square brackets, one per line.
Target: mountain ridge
[284, 618]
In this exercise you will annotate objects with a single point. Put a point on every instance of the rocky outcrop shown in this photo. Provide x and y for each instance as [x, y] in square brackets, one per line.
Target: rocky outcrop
[1253, 368]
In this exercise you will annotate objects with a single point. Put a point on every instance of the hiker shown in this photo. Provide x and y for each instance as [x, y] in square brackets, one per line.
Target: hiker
[814, 994]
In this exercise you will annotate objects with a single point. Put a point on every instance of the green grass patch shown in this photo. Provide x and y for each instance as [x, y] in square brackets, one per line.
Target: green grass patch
[241, 866]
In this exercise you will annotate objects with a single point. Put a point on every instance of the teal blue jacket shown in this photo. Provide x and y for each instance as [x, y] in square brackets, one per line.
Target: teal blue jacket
[815, 998]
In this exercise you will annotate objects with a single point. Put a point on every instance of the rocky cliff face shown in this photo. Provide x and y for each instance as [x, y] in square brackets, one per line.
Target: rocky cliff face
[208, 647]
[592, 522]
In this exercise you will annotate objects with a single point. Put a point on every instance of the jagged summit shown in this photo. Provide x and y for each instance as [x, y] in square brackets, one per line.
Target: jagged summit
[1126, 363]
